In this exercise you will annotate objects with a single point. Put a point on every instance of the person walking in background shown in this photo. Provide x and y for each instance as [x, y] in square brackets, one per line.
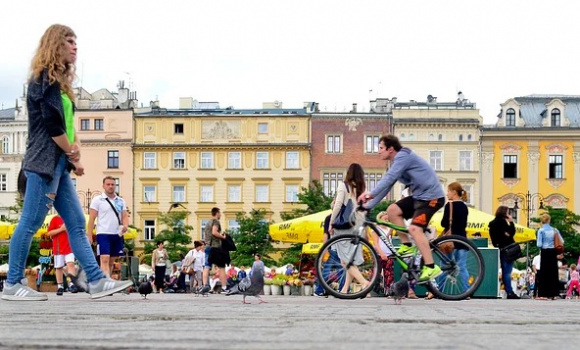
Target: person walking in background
[348, 190]
[213, 238]
[199, 255]
[159, 265]
[574, 282]
[52, 151]
[112, 217]
[387, 264]
[457, 198]
[62, 253]
[501, 231]
[549, 282]
[536, 269]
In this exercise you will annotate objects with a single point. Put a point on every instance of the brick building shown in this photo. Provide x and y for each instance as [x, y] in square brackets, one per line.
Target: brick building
[339, 139]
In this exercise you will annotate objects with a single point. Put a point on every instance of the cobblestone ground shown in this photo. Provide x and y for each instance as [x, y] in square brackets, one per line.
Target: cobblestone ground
[184, 321]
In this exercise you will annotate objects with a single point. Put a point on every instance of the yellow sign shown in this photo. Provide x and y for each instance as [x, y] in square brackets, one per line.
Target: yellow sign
[311, 248]
[300, 230]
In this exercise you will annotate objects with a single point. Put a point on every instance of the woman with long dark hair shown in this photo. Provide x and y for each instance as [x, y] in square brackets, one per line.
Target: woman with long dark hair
[549, 281]
[501, 231]
[352, 187]
[53, 150]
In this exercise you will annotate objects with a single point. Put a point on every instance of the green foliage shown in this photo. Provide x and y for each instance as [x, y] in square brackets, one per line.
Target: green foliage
[382, 206]
[252, 237]
[566, 222]
[291, 255]
[175, 236]
[4, 254]
[34, 253]
[313, 198]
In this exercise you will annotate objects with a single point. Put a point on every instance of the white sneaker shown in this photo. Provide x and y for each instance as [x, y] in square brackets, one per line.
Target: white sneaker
[20, 292]
[107, 286]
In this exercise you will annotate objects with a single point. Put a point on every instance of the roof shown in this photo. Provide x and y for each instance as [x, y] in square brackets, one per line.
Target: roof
[7, 113]
[533, 108]
[221, 112]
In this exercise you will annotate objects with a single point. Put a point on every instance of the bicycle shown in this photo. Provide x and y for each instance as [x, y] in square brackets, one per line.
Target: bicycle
[455, 283]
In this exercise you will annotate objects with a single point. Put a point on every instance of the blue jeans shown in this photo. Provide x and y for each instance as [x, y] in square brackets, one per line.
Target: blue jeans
[460, 257]
[506, 274]
[41, 194]
[332, 262]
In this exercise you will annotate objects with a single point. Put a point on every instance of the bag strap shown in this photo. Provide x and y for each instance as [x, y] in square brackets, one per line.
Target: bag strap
[450, 216]
[115, 210]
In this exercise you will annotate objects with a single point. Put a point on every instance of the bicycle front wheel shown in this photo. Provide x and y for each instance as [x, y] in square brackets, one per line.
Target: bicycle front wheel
[347, 267]
[462, 266]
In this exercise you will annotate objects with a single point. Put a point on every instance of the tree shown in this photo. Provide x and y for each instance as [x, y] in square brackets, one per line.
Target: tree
[175, 235]
[566, 222]
[252, 237]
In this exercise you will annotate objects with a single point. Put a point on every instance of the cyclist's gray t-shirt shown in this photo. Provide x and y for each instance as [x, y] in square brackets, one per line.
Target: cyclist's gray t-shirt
[412, 170]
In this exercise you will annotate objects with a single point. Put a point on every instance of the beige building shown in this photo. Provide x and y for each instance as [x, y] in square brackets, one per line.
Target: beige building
[237, 160]
[105, 129]
[447, 136]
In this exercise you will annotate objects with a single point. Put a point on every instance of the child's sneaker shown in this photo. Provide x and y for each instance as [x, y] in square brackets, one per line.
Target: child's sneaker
[107, 286]
[20, 292]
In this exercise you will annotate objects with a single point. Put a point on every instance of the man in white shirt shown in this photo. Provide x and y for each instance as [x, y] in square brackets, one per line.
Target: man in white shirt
[112, 217]
[536, 269]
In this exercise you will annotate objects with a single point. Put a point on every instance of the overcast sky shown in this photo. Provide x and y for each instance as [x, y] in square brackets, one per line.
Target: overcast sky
[242, 53]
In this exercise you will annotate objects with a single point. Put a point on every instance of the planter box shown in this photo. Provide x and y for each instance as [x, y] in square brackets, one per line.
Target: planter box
[286, 290]
[267, 289]
[276, 290]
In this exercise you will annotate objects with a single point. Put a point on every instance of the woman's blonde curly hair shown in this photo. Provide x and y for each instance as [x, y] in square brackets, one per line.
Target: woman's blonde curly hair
[50, 55]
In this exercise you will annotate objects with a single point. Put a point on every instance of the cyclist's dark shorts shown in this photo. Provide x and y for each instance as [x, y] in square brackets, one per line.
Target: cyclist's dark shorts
[421, 211]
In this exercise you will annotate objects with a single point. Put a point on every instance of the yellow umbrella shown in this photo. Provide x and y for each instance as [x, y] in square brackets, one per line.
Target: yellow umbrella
[130, 234]
[300, 230]
[477, 221]
[311, 248]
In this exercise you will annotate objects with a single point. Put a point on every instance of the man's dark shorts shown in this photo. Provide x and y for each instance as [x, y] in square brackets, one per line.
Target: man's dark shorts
[421, 211]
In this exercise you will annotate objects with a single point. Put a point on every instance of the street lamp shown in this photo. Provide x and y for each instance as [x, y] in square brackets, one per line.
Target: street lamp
[87, 196]
[528, 200]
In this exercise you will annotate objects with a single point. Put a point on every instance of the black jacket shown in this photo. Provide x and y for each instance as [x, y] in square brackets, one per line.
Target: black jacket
[460, 213]
[498, 228]
[45, 121]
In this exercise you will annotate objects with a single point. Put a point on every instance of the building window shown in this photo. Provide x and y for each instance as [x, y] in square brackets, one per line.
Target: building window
[3, 183]
[5, 145]
[468, 189]
[510, 167]
[99, 124]
[411, 137]
[371, 180]
[555, 167]
[113, 160]
[436, 159]
[150, 160]
[262, 128]
[262, 192]
[469, 138]
[233, 226]
[178, 193]
[235, 193]
[333, 144]
[117, 186]
[206, 193]
[207, 160]
[262, 161]
[234, 160]
[292, 193]
[85, 124]
[372, 144]
[402, 137]
[178, 160]
[440, 137]
[292, 160]
[555, 117]
[465, 160]
[510, 117]
[149, 230]
[150, 193]
[460, 137]
[178, 129]
[203, 223]
[330, 182]
[431, 137]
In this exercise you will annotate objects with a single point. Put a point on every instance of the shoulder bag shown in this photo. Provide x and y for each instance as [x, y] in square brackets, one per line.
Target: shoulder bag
[511, 252]
[558, 244]
[447, 247]
[343, 220]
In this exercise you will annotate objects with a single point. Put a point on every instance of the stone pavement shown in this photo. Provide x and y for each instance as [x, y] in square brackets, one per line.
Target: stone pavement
[183, 321]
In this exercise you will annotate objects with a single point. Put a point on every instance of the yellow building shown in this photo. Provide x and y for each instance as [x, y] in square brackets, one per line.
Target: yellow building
[236, 160]
[531, 156]
[446, 134]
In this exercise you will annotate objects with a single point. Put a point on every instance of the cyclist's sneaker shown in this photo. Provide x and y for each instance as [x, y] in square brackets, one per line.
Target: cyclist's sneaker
[20, 292]
[428, 273]
[406, 251]
[107, 286]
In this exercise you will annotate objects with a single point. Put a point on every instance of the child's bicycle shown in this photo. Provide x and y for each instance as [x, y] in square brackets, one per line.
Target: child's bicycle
[462, 268]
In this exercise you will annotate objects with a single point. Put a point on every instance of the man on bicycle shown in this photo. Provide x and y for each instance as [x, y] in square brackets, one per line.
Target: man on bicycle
[426, 198]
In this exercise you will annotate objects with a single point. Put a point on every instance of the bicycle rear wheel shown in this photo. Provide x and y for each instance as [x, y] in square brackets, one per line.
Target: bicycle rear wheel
[332, 261]
[463, 268]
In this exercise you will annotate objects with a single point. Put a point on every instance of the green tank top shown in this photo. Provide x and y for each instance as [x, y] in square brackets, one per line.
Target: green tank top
[68, 117]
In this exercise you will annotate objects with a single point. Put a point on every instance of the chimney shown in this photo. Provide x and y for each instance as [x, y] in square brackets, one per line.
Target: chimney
[353, 108]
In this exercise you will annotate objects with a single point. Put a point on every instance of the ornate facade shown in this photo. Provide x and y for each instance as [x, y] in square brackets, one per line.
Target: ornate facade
[533, 148]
